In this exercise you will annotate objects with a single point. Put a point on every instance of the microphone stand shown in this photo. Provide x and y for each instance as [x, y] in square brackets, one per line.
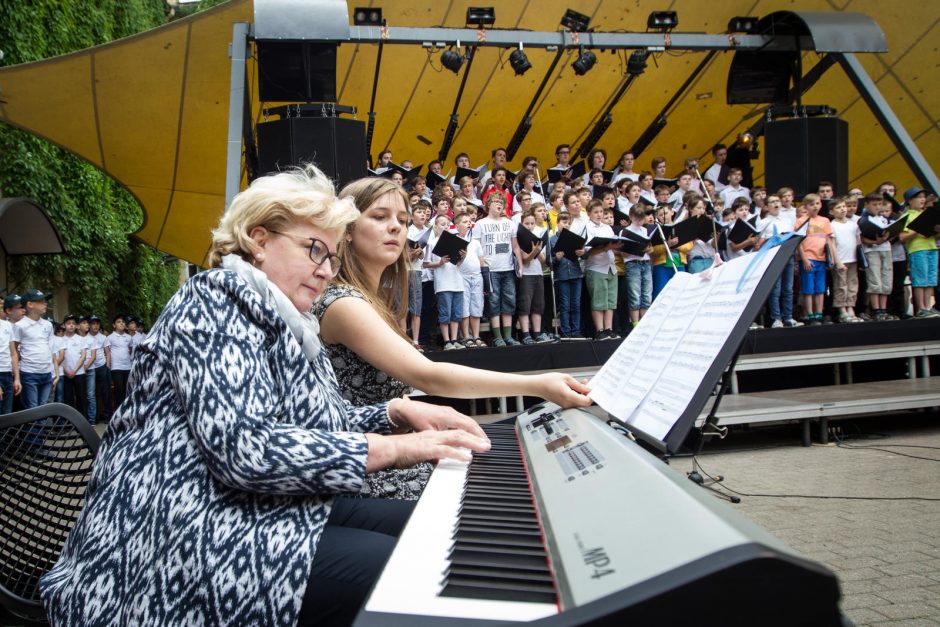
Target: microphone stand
[550, 257]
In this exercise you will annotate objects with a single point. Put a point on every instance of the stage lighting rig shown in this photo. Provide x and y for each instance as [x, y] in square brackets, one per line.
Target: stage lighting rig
[575, 22]
[636, 64]
[519, 61]
[743, 24]
[452, 60]
[481, 16]
[584, 63]
[662, 20]
[367, 16]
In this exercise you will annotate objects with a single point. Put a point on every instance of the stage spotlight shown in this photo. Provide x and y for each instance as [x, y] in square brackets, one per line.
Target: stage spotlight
[519, 62]
[662, 20]
[575, 22]
[745, 140]
[585, 62]
[746, 24]
[452, 60]
[481, 16]
[367, 16]
[636, 64]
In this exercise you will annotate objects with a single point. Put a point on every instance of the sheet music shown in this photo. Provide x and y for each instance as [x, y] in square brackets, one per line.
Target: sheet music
[648, 383]
[607, 386]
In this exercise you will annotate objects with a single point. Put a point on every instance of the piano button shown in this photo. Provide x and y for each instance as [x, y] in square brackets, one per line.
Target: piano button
[533, 563]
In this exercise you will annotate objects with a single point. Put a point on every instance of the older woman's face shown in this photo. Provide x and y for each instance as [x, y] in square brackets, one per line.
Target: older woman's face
[285, 259]
[378, 237]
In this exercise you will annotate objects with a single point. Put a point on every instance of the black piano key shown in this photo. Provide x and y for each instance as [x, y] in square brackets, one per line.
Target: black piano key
[502, 590]
[489, 573]
[497, 538]
[498, 551]
[515, 561]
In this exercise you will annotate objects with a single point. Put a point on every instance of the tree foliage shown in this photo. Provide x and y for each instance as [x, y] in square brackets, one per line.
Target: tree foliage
[104, 268]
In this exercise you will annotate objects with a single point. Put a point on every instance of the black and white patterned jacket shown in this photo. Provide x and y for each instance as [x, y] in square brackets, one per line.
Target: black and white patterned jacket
[214, 479]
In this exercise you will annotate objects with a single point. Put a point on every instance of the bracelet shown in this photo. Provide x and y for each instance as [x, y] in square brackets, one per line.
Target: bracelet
[388, 416]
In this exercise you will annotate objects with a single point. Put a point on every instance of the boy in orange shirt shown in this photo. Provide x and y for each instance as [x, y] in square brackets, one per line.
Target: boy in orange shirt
[812, 252]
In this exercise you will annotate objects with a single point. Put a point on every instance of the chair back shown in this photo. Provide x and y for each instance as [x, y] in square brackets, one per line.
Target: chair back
[46, 455]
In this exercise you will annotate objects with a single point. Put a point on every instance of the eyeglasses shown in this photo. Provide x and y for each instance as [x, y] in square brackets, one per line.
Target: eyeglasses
[319, 251]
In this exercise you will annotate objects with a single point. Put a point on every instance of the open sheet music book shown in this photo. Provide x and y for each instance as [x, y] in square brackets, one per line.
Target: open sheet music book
[661, 376]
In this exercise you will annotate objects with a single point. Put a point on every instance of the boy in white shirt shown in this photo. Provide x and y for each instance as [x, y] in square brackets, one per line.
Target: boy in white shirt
[531, 297]
[847, 238]
[734, 189]
[497, 236]
[416, 230]
[121, 354]
[448, 287]
[76, 353]
[33, 372]
[7, 356]
[600, 274]
[470, 271]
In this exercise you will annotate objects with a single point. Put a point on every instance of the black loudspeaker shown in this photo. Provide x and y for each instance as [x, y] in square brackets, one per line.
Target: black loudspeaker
[296, 71]
[335, 145]
[801, 152]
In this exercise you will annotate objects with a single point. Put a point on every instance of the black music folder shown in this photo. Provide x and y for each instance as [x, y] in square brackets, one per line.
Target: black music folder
[634, 243]
[568, 243]
[743, 229]
[422, 240]
[474, 173]
[692, 229]
[925, 222]
[569, 173]
[527, 239]
[598, 191]
[873, 231]
[450, 245]
[434, 179]
[600, 242]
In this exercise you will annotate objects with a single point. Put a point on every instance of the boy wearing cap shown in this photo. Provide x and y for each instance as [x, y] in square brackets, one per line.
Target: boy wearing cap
[7, 354]
[921, 255]
[32, 337]
[101, 369]
[75, 356]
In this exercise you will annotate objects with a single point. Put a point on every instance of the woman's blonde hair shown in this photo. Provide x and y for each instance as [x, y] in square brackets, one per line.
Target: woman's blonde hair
[390, 298]
[302, 194]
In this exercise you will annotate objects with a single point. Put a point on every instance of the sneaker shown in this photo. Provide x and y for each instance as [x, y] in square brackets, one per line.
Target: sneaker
[542, 338]
[510, 341]
[499, 342]
[449, 346]
[458, 346]
[793, 323]
[527, 340]
[815, 320]
[864, 317]
[777, 324]
[927, 313]
[612, 335]
[600, 335]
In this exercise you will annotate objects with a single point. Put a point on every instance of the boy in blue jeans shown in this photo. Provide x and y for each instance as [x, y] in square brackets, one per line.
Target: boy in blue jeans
[638, 269]
[568, 279]
[812, 252]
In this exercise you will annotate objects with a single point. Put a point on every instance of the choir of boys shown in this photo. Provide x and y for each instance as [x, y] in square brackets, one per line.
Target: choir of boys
[605, 242]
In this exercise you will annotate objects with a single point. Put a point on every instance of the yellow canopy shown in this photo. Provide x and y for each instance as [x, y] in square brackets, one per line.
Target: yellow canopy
[152, 110]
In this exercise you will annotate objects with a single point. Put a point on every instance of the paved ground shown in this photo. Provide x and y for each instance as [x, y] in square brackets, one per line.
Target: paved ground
[885, 552]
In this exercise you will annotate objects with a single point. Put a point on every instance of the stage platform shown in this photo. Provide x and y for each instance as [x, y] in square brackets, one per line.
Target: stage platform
[807, 375]
[590, 354]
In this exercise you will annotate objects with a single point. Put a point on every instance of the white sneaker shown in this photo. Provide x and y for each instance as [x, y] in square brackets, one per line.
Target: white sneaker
[449, 346]
[778, 324]
[793, 323]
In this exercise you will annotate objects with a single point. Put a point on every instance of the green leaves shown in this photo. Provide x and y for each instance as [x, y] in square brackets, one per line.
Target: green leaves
[105, 269]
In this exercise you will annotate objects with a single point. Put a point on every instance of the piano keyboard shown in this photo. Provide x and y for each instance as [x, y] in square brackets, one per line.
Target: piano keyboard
[566, 521]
